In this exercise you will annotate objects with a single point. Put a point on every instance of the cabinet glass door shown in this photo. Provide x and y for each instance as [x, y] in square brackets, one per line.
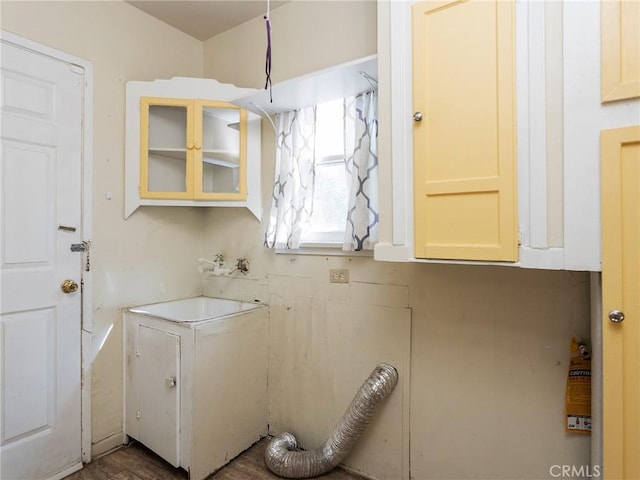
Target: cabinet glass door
[219, 157]
[166, 148]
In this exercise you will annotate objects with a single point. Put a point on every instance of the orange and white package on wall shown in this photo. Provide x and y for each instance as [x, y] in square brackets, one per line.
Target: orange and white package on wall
[578, 393]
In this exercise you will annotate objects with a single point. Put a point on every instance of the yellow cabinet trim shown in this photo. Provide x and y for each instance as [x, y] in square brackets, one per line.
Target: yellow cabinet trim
[620, 44]
[464, 146]
[198, 192]
[620, 170]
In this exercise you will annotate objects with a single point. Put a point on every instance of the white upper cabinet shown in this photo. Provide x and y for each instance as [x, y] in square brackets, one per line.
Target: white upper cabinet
[187, 145]
[558, 119]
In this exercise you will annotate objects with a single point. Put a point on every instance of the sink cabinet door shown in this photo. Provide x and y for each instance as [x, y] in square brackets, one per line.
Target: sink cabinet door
[159, 392]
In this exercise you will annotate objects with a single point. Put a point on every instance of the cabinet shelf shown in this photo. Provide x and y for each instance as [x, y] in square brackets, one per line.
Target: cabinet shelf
[177, 153]
[223, 158]
[231, 162]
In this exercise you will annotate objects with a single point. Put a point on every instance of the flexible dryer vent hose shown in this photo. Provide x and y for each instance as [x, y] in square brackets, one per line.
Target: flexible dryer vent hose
[282, 456]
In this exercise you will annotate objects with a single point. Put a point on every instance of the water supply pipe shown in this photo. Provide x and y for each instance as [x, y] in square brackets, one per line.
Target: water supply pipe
[283, 457]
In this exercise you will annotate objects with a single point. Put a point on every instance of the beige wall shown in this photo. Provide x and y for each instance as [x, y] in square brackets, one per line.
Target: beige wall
[307, 35]
[488, 346]
[489, 358]
[152, 256]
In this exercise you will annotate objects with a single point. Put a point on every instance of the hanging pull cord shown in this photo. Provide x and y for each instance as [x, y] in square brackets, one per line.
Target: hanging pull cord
[268, 59]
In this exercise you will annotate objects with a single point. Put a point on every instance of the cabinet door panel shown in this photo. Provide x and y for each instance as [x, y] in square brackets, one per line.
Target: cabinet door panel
[166, 148]
[220, 151]
[464, 147]
[158, 398]
[620, 47]
[620, 157]
[450, 232]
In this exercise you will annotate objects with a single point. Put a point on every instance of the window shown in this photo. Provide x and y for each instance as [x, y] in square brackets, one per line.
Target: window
[325, 191]
[331, 193]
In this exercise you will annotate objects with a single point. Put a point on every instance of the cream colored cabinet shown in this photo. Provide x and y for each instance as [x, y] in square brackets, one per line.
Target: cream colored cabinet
[188, 145]
[503, 165]
[464, 158]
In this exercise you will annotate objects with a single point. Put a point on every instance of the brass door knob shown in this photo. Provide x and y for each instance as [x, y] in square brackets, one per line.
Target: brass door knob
[69, 286]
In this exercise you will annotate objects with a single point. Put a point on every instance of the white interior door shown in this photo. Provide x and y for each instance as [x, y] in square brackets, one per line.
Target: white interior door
[40, 217]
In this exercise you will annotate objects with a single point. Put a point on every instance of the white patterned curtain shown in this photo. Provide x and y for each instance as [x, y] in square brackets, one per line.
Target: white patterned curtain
[292, 196]
[361, 159]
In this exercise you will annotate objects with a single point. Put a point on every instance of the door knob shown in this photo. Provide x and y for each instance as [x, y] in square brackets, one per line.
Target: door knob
[69, 286]
[616, 316]
[417, 117]
[171, 381]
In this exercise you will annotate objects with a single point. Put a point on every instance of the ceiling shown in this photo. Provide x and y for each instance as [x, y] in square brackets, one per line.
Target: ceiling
[203, 19]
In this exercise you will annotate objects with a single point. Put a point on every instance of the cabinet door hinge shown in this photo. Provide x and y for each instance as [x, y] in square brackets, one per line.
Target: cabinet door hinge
[138, 414]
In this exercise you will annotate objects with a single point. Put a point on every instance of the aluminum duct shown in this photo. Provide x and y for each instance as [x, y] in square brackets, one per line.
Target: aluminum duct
[282, 456]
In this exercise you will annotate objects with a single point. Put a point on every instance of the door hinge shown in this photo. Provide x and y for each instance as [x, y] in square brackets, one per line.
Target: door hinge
[137, 353]
[138, 414]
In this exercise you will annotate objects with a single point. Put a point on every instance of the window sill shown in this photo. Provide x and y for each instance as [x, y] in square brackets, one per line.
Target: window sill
[325, 249]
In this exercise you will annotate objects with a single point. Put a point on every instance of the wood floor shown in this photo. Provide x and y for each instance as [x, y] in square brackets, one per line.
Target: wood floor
[135, 462]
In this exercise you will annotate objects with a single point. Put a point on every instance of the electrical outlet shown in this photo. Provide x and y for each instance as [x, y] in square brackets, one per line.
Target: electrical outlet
[339, 275]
